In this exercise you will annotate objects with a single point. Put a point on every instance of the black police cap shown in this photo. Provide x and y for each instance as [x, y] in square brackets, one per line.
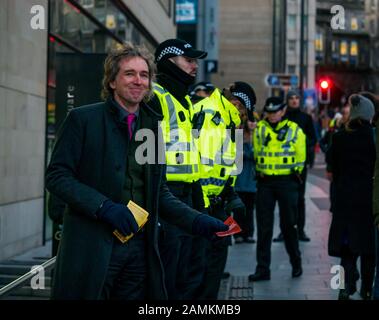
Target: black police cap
[177, 47]
[203, 85]
[274, 104]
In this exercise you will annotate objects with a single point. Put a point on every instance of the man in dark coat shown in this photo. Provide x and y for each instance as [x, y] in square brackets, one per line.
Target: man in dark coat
[305, 122]
[96, 168]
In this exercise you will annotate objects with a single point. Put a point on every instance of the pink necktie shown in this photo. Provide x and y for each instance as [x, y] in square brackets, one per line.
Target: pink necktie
[130, 119]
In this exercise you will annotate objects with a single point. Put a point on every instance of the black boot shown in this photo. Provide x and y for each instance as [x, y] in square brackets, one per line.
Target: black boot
[303, 236]
[260, 275]
[297, 269]
[343, 294]
[279, 238]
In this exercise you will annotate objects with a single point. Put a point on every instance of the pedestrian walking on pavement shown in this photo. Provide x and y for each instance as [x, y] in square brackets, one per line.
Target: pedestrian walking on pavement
[352, 231]
[279, 151]
[326, 142]
[305, 122]
[94, 170]
[375, 121]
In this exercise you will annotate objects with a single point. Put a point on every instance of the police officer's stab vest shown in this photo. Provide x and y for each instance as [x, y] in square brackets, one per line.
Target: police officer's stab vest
[182, 158]
[279, 151]
[216, 143]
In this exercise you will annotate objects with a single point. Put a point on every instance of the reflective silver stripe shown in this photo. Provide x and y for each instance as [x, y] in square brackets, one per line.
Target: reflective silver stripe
[179, 169]
[285, 166]
[230, 162]
[218, 157]
[172, 112]
[174, 127]
[178, 146]
[263, 132]
[295, 135]
[264, 166]
[289, 135]
[276, 154]
[210, 162]
[207, 161]
[159, 89]
[284, 154]
[213, 181]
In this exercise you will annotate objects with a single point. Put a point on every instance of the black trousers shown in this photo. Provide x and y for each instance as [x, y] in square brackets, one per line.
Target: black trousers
[182, 254]
[301, 202]
[127, 271]
[196, 269]
[284, 190]
[246, 222]
[217, 254]
[349, 263]
[216, 257]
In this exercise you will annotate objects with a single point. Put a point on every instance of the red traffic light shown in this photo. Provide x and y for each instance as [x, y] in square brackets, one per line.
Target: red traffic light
[324, 93]
[324, 84]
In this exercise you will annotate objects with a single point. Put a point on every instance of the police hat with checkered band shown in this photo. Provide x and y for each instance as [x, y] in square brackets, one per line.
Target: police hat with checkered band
[245, 94]
[177, 47]
[274, 104]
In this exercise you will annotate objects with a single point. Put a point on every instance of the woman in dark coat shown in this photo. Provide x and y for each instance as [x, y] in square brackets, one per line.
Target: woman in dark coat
[352, 160]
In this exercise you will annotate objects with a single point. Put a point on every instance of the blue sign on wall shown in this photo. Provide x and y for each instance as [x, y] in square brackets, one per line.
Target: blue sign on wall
[272, 80]
[294, 80]
[186, 11]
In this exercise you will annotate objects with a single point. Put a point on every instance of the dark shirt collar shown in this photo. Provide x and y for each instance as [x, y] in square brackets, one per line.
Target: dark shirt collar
[123, 113]
[273, 125]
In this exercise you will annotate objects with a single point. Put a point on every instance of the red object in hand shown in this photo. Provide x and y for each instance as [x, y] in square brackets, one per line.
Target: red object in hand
[233, 228]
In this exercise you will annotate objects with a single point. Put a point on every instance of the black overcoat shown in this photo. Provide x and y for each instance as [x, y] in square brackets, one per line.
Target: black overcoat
[88, 166]
[352, 159]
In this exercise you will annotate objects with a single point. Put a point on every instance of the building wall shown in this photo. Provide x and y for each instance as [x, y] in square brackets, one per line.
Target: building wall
[311, 63]
[293, 36]
[154, 17]
[245, 44]
[22, 127]
[23, 68]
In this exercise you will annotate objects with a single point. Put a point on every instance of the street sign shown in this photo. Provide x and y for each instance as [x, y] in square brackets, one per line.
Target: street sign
[211, 66]
[294, 80]
[272, 80]
[282, 80]
[310, 98]
[186, 11]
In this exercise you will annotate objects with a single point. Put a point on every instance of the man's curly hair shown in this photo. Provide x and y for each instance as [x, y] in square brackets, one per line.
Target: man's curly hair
[112, 66]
